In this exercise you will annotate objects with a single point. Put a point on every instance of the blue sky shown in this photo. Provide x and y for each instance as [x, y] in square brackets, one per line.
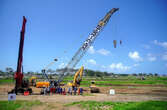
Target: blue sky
[57, 28]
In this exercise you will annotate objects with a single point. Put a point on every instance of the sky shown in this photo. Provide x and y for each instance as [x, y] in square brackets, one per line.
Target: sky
[57, 28]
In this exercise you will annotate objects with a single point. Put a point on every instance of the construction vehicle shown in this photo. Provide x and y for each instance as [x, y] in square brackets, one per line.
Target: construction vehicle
[83, 49]
[21, 85]
[77, 78]
[81, 52]
[38, 84]
[46, 83]
[89, 41]
[42, 84]
[93, 88]
[32, 81]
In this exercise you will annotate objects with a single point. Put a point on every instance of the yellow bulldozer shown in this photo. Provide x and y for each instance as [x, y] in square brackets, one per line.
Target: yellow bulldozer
[93, 88]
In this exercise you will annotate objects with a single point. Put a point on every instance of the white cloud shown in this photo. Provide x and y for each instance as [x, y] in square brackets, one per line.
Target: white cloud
[135, 65]
[151, 57]
[103, 66]
[103, 52]
[135, 56]
[119, 67]
[91, 50]
[92, 61]
[162, 44]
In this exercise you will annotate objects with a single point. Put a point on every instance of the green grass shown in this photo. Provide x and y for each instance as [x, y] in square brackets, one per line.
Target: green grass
[147, 105]
[6, 81]
[114, 81]
[131, 80]
[88, 94]
[13, 105]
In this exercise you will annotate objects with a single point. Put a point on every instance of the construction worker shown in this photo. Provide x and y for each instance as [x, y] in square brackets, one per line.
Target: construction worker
[58, 90]
[70, 91]
[64, 91]
[45, 90]
[48, 90]
[75, 90]
[81, 91]
[61, 90]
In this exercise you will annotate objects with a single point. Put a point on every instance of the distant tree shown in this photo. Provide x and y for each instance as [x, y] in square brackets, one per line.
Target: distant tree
[30, 72]
[2, 73]
[156, 74]
[134, 74]
[140, 74]
[150, 74]
[123, 74]
[9, 71]
[144, 74]
[89, 72]
[98, 74]
[106, 74]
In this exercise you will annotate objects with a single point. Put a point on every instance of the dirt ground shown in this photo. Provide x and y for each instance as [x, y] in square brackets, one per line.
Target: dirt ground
[123, 94]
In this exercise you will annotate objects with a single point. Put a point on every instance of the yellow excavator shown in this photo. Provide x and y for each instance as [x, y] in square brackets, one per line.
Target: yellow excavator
[77, 78]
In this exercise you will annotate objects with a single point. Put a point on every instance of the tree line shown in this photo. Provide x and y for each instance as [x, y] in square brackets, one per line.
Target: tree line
[87, 72]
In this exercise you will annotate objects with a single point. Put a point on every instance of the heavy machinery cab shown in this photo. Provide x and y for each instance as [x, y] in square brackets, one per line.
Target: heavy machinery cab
[93, 88]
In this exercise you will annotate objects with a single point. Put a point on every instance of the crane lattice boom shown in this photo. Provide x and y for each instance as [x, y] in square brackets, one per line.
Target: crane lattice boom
[89, 41]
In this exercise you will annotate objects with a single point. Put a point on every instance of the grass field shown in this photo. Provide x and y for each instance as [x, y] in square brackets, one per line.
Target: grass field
[14, 105]
[120, 81]
[88, 105]
[6, 81]
[107, 81]
[148, 105]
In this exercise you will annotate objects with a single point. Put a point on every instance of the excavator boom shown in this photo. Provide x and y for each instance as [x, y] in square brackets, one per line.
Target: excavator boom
[77, 78]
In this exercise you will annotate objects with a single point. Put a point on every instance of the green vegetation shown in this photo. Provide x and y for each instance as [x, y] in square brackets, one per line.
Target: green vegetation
[147, 105]
[123, 80]
[109, 80]
[6, 81]
[89, 105]
[13, 105]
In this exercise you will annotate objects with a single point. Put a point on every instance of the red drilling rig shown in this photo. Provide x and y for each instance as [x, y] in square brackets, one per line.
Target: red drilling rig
[21, 84]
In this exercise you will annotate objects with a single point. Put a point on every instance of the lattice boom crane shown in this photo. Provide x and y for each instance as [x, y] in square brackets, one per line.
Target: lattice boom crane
[89, 41]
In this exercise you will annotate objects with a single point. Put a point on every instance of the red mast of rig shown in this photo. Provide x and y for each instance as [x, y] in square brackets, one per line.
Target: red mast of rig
[19, 73]
[21, 84]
